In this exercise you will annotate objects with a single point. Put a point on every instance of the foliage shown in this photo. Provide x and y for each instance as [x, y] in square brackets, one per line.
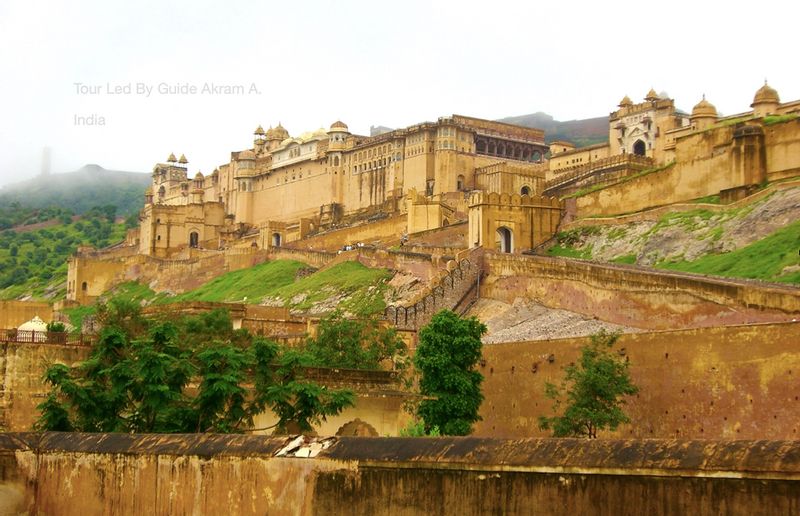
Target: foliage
[56, 327]
[34, 258]
[448, 352]
[354, 344]
[779, 119]
[137, 379]
[594, 390]
[417, 429]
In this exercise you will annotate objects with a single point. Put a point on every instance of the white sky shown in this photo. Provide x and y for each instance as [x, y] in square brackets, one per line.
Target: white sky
[365, 62]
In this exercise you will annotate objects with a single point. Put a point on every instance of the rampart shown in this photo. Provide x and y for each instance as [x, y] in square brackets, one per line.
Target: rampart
[734, 382]
[654, 214]
[454, 289]
[718, 161]
[605, 170]
[636, 296]
[384, 230]
[82, 474]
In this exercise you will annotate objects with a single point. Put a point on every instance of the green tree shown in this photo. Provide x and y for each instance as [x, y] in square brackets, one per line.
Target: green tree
[137, 376]
[448, 352]
[354, 344]
[594, 388]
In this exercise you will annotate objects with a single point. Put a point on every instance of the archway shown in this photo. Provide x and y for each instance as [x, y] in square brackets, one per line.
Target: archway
[194, 239]
[504, 240]
[357, 428]
[276, 240]
[526, 190]
[639, 148]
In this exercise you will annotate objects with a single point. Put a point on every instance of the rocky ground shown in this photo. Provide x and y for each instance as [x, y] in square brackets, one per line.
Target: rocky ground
[528, 320]
[689, 236]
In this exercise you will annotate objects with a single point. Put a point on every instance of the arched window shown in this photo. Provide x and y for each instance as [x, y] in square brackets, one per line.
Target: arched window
[194, 239]
[504, 240]
[536, 156]
[276, 240]
[639, 148]
[161, 192]
[460, 182]
[84, 286]
[336, 161]
[526, 190]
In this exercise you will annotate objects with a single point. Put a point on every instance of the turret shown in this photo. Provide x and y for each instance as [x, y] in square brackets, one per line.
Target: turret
[766, 101]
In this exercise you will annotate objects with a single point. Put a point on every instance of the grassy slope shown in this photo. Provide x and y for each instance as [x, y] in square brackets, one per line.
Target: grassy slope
[764, 259]
[57, 243]
[253, 283]
[276, 279]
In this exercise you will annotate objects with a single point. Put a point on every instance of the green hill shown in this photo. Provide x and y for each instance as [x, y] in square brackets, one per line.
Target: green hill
[80, 190]
[584, 132]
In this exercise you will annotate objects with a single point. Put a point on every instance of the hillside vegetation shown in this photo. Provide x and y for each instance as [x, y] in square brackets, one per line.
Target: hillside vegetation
[348, 286]
[584, 132]
[33, 262]
[81, 190]
[759, 240]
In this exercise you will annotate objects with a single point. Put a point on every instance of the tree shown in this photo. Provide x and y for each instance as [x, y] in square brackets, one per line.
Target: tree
[448, 352]
[595, 388]
[138, 374]
[354, 344]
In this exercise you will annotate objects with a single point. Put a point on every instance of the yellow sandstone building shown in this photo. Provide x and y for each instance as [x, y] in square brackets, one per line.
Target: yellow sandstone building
[288, 187]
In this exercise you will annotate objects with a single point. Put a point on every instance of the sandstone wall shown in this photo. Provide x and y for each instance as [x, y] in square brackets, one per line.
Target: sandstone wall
[386, 230]
[736, 382]
[214, 474]
[14, 313]
[634, 296]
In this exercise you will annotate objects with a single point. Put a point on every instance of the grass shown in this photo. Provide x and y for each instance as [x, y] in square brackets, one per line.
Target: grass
[779, 119]
[350, 278]
[253, 283]
[628, 259]
[764, 259]
[569, 252]
[708, 199]
[363, 287]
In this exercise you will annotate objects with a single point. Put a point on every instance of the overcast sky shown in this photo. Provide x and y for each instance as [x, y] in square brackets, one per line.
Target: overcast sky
[309, 63]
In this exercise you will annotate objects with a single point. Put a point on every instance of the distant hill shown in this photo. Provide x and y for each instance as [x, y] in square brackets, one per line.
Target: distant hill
[79, 191]
[580, 132]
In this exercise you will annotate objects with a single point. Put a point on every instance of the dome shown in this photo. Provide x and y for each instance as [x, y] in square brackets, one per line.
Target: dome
[172, 158]
[704, 108]
[215, 172]
[280, 132]
[339, 126]
[199, 176]
[35, 324]
[766, 95]
[246, 155]
[183, 160]
[625, 102]
[259, 131]
[651, 95]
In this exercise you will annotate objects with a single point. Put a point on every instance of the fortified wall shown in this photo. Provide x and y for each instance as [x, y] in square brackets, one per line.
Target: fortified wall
[732, 382]
[56, 473]
[636, 296]
[728, 160]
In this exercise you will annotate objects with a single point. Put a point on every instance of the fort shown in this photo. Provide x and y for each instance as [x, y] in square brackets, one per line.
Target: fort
[463, 206]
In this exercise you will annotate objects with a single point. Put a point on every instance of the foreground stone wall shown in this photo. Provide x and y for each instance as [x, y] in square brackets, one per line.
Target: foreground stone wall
[736, 382]
[86, 474]
[634, 296]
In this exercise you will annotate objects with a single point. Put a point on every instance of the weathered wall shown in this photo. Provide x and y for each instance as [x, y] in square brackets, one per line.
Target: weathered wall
[707, 162]
[14, 313]
[22, 366]
[634, 296]
[735, 382]
[379, 397]
[386, 230]
[214, 474]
